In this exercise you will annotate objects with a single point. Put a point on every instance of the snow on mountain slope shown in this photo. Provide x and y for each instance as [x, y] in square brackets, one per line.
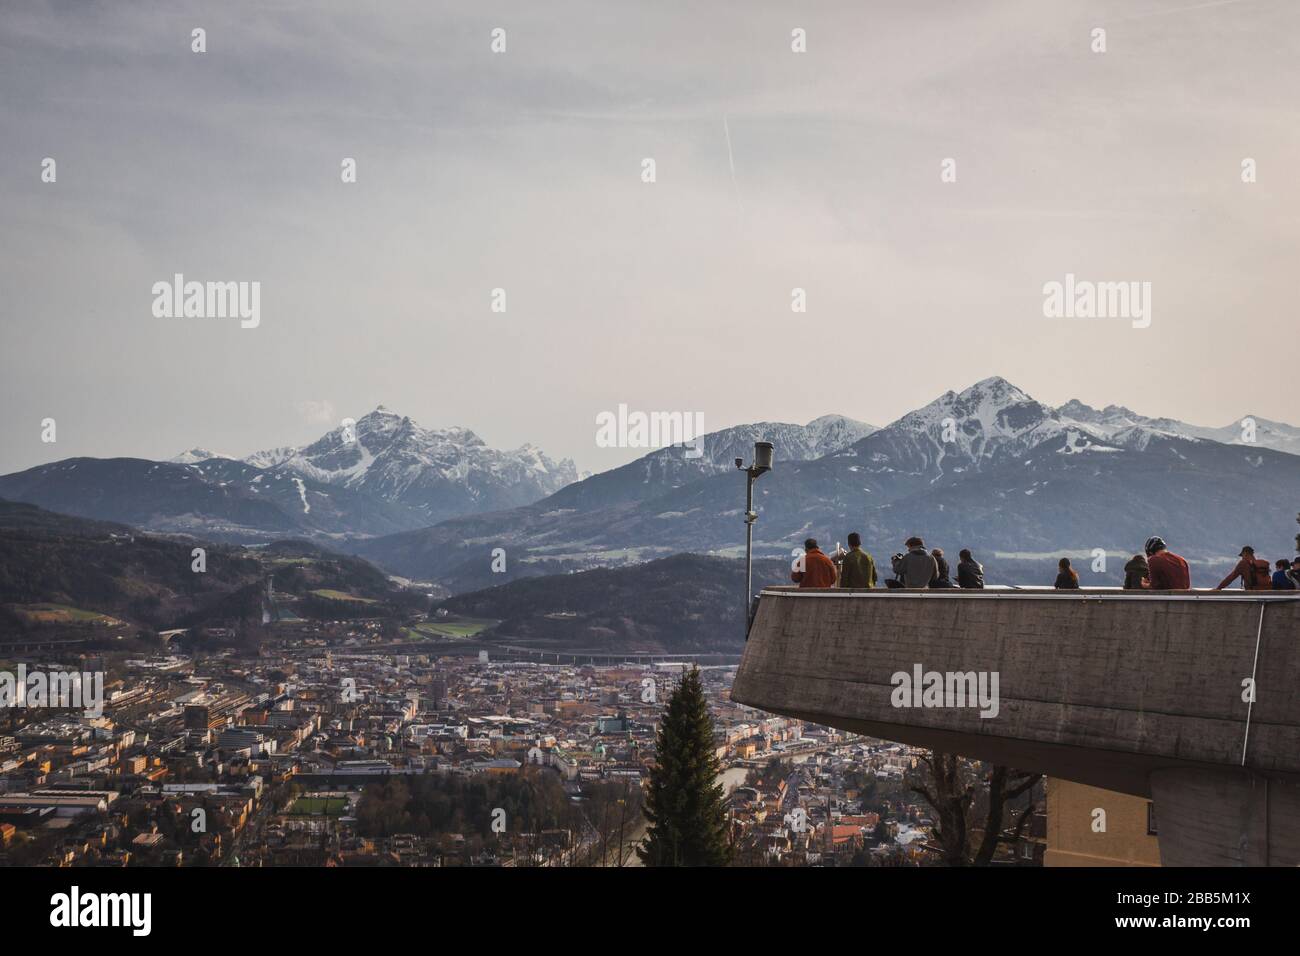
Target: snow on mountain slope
[664, 469]
[821, 436]
[830, 433]
[438, 473]
[1071, 492]
[195, 455]
[960, 432]
[271, 456]
[1115, 419]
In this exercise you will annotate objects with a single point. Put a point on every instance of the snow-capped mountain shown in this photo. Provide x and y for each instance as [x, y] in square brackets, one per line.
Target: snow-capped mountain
[830, 433]
[392, 475]
[435, 473]
[217, 498]
[1249, 430]
[664, 469]
[957, 432]
[821, 436]
[988, 467]
[271, 456]
[195, 455]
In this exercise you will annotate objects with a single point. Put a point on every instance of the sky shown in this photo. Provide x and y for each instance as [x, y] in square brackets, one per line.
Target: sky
[523, 170]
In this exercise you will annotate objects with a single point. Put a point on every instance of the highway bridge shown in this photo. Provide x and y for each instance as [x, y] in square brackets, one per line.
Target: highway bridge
[1189, 698]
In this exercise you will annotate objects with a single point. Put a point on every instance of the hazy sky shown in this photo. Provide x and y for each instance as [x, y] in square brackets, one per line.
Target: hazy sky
[522, 170]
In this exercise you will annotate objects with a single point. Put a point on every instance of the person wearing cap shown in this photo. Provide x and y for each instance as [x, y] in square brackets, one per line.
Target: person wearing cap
[917, 568]
[816, 569]
[1165, 570]
[1253, 573]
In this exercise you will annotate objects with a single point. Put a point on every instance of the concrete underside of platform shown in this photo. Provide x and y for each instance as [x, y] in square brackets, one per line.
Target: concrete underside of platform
[1140, 693]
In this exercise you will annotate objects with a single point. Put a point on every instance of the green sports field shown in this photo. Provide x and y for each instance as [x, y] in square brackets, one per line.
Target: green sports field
[318, 807]
[59, 614]
[334, 595]
[461, 627]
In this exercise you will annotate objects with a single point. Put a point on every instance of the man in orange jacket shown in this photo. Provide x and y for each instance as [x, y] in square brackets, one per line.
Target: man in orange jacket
[816, 570]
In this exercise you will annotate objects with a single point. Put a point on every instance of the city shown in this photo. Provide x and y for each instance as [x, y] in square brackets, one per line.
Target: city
[280, 758]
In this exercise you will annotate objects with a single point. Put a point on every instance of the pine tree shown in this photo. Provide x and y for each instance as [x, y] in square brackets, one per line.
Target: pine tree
[685, 806]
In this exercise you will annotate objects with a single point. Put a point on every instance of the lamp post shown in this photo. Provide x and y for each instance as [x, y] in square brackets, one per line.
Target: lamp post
[762, 464]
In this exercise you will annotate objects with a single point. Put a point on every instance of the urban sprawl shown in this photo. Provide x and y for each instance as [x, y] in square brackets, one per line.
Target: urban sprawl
[331, 749]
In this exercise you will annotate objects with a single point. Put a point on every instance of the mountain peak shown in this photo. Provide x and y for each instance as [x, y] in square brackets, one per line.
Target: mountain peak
[822, 421]
[436, 473]
[962, 430]
[194, 455]
[997, 387]
[1083, 412]
[989, 401]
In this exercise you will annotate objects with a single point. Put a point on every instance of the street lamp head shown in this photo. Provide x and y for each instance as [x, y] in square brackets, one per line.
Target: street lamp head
[762, 457]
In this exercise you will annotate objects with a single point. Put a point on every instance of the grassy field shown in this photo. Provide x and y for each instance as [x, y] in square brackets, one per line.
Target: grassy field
[459, 628]
[318, 807]
[334, 595]
[60, 614]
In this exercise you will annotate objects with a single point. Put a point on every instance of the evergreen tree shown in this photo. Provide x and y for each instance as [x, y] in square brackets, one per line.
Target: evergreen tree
[685, 805]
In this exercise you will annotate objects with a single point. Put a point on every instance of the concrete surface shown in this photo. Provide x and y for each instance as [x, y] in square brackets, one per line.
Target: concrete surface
[1136, 692]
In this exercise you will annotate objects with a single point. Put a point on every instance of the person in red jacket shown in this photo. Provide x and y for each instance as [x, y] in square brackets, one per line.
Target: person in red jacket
[1166, 570]
[815, 569]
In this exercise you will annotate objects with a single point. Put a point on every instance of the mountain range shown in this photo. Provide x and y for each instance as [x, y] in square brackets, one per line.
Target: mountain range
[382, 474]
[987, 467]
[432, 473]
[1114, 419]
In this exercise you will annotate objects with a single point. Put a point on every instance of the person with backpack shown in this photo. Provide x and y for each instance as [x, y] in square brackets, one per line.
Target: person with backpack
[1136, 573]
[1281, 579]
[1167, 571]
[970, 573]
[1253, 572]
[1067, 579]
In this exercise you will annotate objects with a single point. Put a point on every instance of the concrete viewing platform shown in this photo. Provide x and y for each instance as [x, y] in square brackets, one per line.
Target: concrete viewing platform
[1142, 692]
